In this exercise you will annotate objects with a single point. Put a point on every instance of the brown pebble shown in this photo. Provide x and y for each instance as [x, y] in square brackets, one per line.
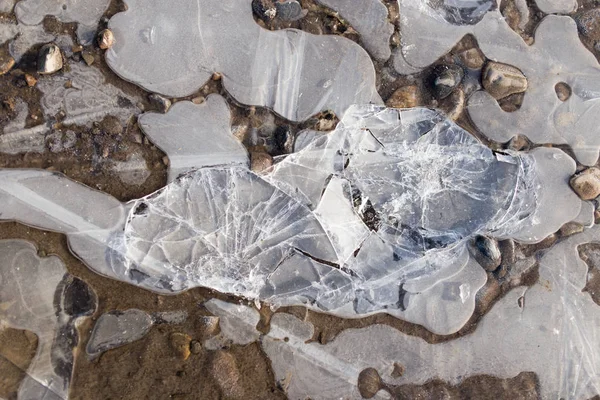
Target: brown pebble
[225, 372]
[405, 97]
[165, 160]
[77, 48]
[30, 79]
[327, 121]
[369, 383]
[260, 161]
[518, 142]
[195, 347]
[112, 125]
[501, 80]
[88, 58]
[198, 100]
[473, 58]
[587, 183]
[398, 370]
[6, 64]
[563, 91]
[180, 343]
[216, 76]
[570, 228]
[106, 39]
[209, 324]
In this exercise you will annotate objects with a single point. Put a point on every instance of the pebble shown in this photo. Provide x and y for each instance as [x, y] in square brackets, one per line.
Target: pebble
[180, 343]
[264, 9]
[486, 251]
[225, 372]
[501, 80]
[588, 22]
[260, 161]
[404, 97]
[587, 183]
[445, 78]
[369, 383]
[50, 59]
[284, 139]
[161, 103]
[289, 10]
[398, 370]
[518, 143]
[198, 100]
[88, 57]
[6, 64]
[209, 324]
[570, 228]
[106, 39]
[195, 347]
[508, 250]
[30, 79]
[563, 91]
[327, 121]
[472, 58]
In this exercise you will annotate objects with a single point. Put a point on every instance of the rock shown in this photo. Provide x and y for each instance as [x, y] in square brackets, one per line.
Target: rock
[260, 161]
[588, 22]
[398, 370]
[508, 250]
[161, 103]
[369, 383]
[473, 58]
[180, 343]
[195, 347]
[225, 372]
[30, 79]
[6, 64]
[88, 57]
[50, 59]
[587, 183]
[289, 10]
[445, 78]
[486, 251]
[284, 140]
[264, 9]
[563, 91]
[209, 324]
[501, 80]
[519, 143]
[106, 39]
[463, 12]
[327, 121]
[405, 97]
[570, 228]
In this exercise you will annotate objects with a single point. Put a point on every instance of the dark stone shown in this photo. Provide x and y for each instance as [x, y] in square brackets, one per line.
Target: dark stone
[289, 10]
[444, 79]
[264, 9]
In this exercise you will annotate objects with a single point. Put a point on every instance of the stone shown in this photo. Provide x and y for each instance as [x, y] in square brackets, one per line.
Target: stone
[369, 383]
[180, 343]
[445, 78]
[486, 251]
[472, 58]
[570, 228]
[195, 347]
[563, 91]
[88, 57]
[404, 97]
[30, 79]
[225, 372]
[6, 64]
[106, 39]
[50, 59]
[587, 183]
[289, 10]
[260, 161]
[501, 80]
[209, 324]
[264, 9]
[161, 103]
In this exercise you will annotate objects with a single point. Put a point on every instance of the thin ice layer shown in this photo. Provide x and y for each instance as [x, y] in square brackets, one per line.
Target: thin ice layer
[557, 55]
[85, 13]
[550, 329]
[370, 19]
[294, 73]
[205, 129]
[38, 295]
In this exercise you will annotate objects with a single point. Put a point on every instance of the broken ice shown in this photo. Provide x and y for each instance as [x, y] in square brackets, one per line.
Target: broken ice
[372, 217]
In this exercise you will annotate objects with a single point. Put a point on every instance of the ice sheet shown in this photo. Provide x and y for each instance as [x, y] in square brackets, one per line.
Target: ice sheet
[297, 74]
[37, 294]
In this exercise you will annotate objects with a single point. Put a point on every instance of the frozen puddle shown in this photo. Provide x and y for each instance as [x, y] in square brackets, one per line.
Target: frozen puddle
[373, 217]
[37, 294]
[293, 72]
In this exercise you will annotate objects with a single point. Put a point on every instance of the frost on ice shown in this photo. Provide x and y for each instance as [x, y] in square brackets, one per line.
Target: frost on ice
[293, 72]
[372, 217]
